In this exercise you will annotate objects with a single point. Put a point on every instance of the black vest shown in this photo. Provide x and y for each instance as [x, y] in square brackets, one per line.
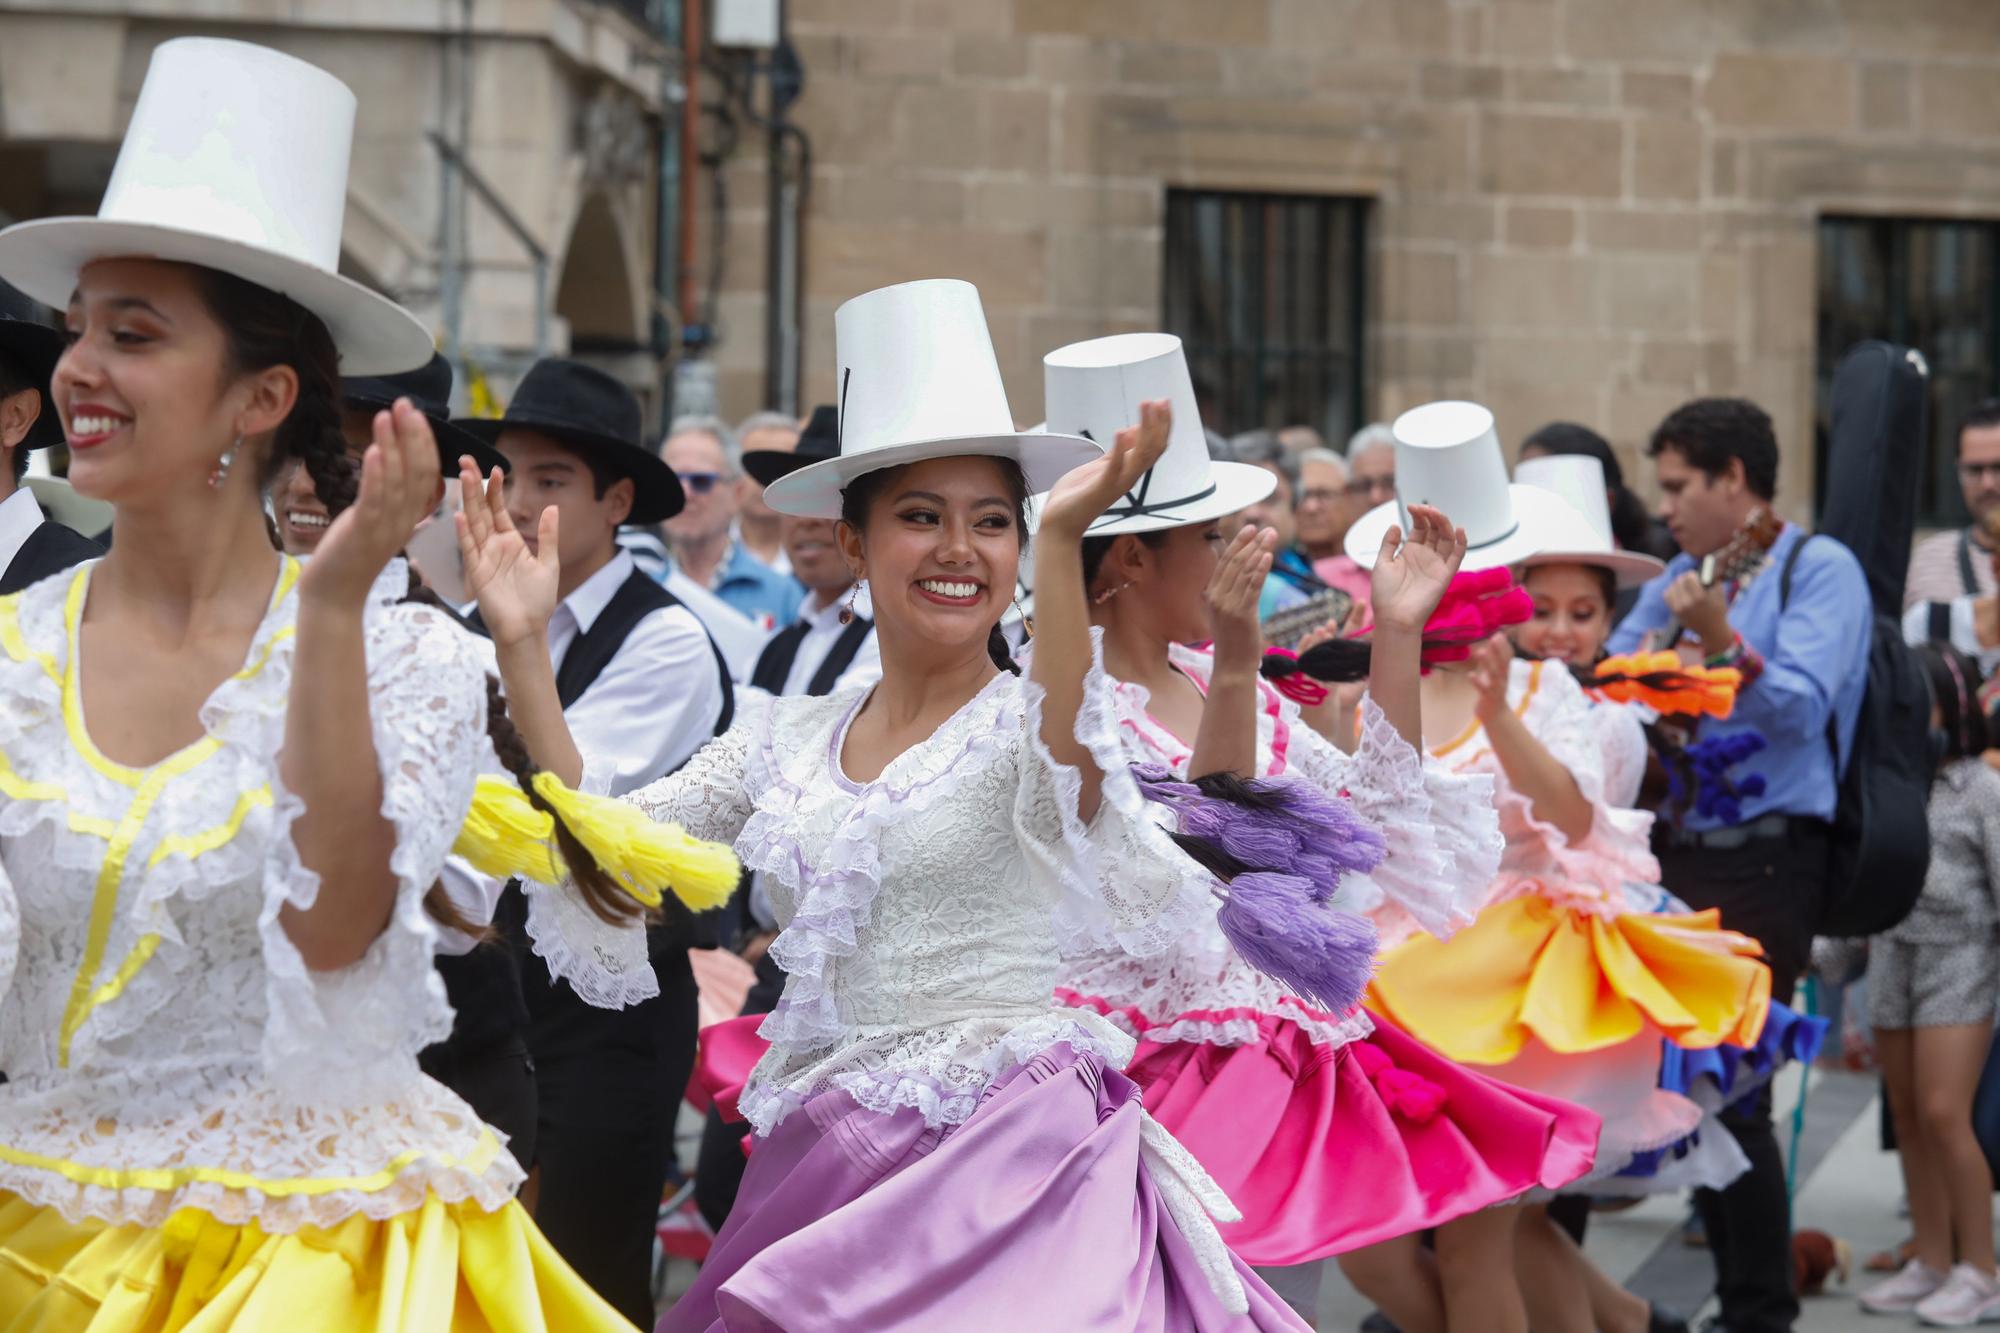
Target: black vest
[591, 651]
[775, 663]
[50, 549]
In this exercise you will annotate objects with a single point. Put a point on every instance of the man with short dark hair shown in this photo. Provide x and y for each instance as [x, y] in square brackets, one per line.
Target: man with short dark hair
[1960, 563]
[1804, 663]
[32, 545]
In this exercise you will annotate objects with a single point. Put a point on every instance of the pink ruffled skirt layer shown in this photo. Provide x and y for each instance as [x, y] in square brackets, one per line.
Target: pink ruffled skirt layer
[1036, 1213]
[1328, 1149]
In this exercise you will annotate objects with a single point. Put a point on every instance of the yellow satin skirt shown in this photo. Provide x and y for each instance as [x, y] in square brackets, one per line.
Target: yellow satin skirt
[442, 1268]
[1578, 981]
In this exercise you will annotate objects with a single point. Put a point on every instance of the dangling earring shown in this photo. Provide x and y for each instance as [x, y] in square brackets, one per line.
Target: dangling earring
[847, 610]
[1110, 593]
[220, 473]
[1027, 622]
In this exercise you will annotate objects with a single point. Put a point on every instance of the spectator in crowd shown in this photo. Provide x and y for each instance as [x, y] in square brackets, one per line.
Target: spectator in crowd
[1218, 447]
[703, 454]
[1960, 563]
[1631, 526]
[1291, 579]
[1804, 664]
[1931, 983]
[1320, 511]
[1370, 480]
[757, 524]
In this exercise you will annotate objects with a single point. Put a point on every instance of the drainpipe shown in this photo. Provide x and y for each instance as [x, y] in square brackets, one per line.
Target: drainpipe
[676, 186]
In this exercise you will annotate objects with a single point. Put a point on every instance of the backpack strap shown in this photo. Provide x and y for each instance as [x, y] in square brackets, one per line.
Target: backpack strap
[1940, 621]
[1784, 600]
[1966, 577]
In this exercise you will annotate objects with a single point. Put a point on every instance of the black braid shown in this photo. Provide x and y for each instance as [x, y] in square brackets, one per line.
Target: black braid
[998, 649]
[1333, 661]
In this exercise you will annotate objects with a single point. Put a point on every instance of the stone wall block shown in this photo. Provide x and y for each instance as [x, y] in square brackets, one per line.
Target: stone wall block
[1532, 153]
[1789, 94]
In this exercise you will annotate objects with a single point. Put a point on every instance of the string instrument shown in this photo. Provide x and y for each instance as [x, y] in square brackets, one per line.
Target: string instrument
[1739, 557]
[1285, 628]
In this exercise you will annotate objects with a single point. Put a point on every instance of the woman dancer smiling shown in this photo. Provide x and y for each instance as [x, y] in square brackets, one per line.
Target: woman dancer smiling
[937, 1140]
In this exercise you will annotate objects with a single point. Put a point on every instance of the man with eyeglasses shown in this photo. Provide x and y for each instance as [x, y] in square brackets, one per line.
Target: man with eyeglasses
[1959, 563]
[702, 452]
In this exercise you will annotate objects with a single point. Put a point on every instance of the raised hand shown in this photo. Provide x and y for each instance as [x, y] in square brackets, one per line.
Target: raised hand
[1232, 595]
[399, 484]
[517, 588]
[1412, 573]
[1088, 491]
[1489, 667]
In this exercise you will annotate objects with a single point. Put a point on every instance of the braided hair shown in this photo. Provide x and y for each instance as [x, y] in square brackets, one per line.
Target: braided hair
[859, 495]
[263, 329]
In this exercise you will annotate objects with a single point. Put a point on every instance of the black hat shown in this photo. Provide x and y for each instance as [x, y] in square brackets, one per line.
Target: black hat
[595, 415]
[818, 442]
[429, 391]
[30, 341]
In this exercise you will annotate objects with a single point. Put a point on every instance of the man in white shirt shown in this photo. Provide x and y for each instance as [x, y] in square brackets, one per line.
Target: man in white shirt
[642, 688]
[1960, 562]
[32, 545]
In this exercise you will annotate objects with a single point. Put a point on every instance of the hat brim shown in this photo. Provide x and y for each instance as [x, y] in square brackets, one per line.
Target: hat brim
[37, 347]
[373, 334]
[767, 465]
[1629, 568]
[814, 491]
[1540, 519]
[1237, 487]
[656, 492]
[453, 440]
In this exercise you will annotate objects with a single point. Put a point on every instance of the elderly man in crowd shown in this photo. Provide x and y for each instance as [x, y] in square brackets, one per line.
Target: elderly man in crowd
[704, 455]
[1291, 579]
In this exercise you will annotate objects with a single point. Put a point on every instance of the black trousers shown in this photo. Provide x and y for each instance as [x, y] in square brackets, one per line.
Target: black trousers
[611, 1085]
[718, 1172]
[1771, 890]
[497, 1081]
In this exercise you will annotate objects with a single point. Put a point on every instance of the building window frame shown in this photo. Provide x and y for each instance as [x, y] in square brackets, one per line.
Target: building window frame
[1262, 347]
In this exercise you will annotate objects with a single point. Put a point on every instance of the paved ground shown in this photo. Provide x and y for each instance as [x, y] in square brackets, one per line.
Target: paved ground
[1850, 1189]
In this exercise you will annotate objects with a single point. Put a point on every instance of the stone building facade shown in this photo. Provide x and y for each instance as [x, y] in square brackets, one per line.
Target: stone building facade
[1589, 209]
[557, 105]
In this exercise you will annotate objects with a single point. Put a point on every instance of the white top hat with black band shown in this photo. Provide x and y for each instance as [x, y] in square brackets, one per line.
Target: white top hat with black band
[1094, 389]
[1447, 456]
[235, 159]
[918, 380]
[1579, 479]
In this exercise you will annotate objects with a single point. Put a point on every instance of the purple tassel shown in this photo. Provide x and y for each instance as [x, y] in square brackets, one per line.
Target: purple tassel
[1305, 832]
[1279, 928]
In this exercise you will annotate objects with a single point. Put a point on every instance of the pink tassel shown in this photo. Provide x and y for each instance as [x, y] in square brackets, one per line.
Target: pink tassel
[1411, 1096]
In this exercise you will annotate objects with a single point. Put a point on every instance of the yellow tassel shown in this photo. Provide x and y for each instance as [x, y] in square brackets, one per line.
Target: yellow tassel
[642, 856]
[506, 837]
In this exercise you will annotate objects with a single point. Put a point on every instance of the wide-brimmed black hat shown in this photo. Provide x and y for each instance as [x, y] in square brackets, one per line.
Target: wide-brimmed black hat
[818, 442]
[429, 391]
[594, 414]
[30, 342]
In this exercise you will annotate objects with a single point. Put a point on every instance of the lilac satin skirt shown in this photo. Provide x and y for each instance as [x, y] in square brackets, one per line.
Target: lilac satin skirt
[1035, 1213]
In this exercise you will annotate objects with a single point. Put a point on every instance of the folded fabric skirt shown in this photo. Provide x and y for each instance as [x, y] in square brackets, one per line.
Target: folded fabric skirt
[441, 1268]
[1040, 1211]
[1328, 1148]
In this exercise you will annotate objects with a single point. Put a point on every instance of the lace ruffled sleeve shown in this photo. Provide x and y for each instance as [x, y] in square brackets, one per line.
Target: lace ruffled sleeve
[1621, 735]
[1443, 835]
[1118, 881]
[711, 796]
[1618, 847]
[334, 1036]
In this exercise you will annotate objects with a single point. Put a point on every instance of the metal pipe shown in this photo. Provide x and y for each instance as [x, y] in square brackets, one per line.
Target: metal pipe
[667, 205]
[690, 147]
[512, 222]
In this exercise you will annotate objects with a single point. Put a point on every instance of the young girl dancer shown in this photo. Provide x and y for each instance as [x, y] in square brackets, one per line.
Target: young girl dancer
[228, 783]
[1291, 1107]
[937, 1141]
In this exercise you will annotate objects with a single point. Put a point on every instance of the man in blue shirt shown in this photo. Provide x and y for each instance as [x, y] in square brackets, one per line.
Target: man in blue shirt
[703, 454]
[1804, 664]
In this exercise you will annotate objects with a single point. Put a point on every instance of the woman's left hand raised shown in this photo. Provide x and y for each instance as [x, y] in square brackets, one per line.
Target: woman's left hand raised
[1088, 491]
[399, 488]
[1412, 573]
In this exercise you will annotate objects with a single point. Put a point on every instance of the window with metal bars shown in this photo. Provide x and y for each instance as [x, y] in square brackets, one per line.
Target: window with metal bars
[1929, 284]
[1267, 293]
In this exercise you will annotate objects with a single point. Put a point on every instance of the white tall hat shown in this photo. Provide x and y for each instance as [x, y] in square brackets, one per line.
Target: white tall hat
[1094, 389]
[1579, 480]
[1447, 456]
[235, 159]
[918, 380]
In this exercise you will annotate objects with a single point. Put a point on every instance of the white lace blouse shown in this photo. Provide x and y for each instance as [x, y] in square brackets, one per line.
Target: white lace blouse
[920, 913]
[1595, 744]
[165, 1044]
[1443, 848]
